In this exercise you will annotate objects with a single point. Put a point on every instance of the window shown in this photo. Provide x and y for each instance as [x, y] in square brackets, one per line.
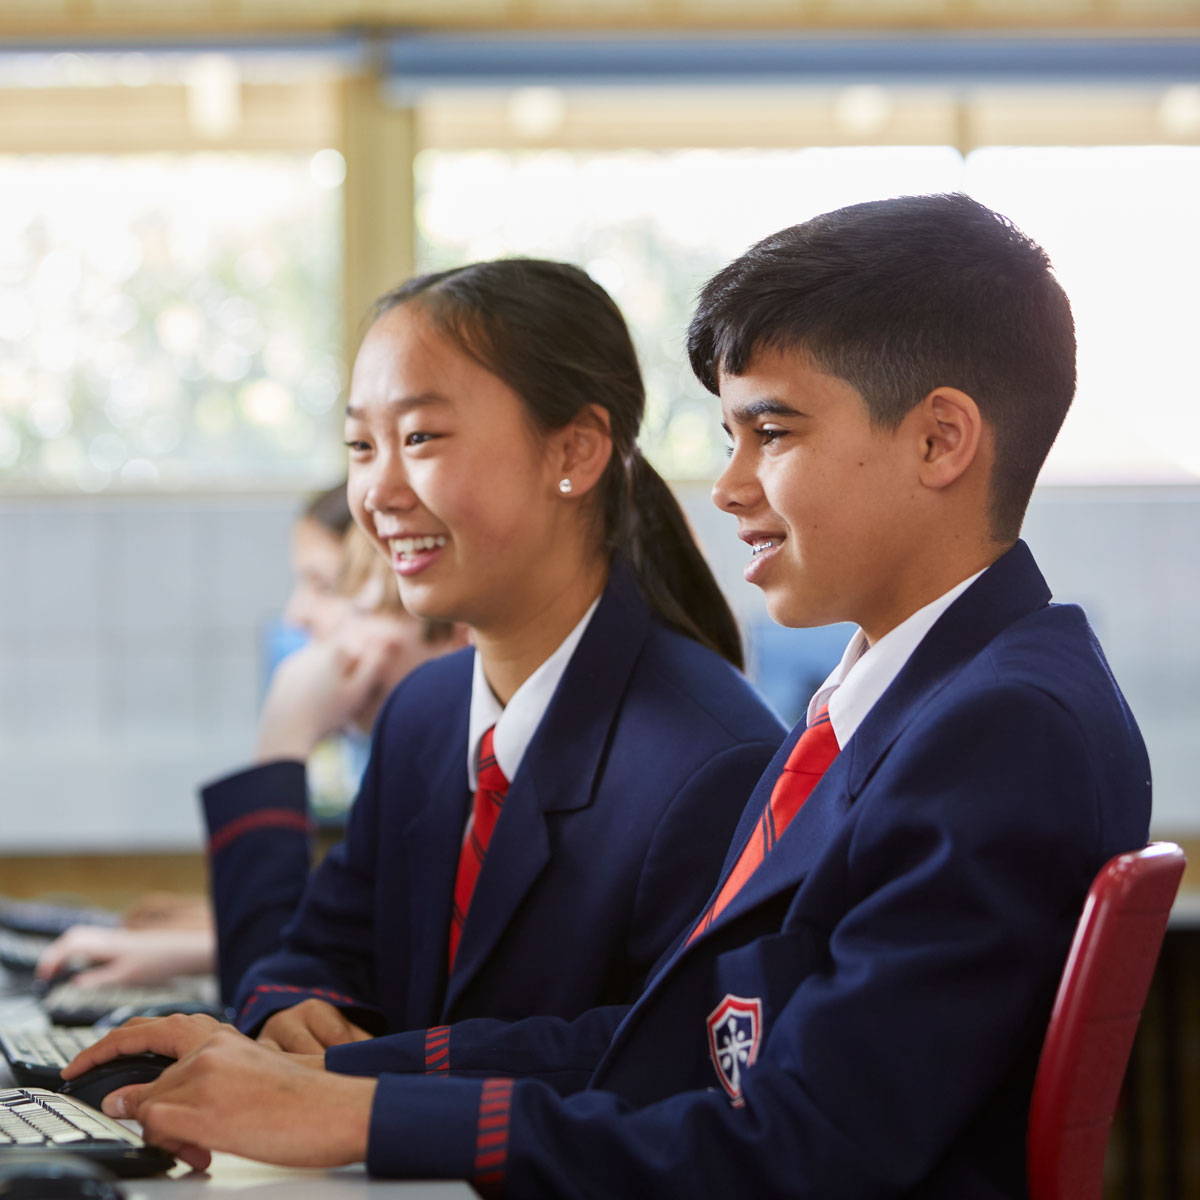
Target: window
[651, 226]
[169, 319]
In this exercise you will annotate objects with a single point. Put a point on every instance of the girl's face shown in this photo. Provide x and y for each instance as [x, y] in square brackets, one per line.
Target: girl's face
[451, 481]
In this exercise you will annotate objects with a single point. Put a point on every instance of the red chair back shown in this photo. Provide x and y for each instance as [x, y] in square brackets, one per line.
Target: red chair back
[1096, 1014]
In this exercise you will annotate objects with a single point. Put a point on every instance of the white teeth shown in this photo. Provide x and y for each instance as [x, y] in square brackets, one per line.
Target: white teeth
[759, 547]
[406, 546]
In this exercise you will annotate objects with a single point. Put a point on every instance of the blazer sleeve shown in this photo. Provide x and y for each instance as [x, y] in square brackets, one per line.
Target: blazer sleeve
[259, 847]
[326, 951]
[960, 885]
[560, 1053]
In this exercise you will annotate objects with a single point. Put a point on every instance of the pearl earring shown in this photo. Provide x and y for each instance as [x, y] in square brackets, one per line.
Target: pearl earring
[564, 486]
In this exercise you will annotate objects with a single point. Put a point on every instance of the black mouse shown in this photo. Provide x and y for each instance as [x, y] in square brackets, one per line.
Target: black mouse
[54, 1175]
[92, 1086]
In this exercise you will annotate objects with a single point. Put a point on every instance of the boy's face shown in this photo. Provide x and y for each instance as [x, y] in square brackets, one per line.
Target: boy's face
[823, 499]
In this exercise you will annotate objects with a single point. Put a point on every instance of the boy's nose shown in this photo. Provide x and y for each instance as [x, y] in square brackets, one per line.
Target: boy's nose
[734, 487]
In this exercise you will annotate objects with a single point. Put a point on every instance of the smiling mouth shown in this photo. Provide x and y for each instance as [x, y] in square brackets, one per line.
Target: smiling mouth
[407, 547]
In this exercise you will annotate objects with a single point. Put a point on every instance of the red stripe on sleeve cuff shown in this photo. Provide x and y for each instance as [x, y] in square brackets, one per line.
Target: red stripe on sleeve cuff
[437, 1050]
[491, 1139]
[265, 818]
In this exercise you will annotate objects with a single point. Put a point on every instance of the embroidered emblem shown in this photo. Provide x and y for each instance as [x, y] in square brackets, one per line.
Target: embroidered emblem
[734, 1030]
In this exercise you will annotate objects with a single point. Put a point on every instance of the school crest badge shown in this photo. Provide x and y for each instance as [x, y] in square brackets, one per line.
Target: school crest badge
[734, 1031]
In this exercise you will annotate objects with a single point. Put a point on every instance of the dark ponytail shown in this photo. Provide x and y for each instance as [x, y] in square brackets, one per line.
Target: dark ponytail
[674, 575]
[556, 338]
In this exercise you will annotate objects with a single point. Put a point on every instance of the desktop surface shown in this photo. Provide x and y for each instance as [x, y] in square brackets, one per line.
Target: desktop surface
[255, 1181]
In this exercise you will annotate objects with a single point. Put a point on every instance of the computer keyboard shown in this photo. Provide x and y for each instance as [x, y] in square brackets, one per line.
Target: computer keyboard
[46, 919]
[85, 1004]
[21, 951]
[37, 1056]
[33, 1119]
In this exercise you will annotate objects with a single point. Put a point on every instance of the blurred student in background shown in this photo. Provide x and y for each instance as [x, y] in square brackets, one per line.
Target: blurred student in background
[317, 603]
[362, 643]
[260, 839]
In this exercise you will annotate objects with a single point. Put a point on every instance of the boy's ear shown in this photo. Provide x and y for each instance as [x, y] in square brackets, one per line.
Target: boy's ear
[583, 448]
[952, 432]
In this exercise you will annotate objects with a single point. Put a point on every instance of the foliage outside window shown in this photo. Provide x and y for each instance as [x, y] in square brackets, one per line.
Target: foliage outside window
[1119, 223]
[168, 320]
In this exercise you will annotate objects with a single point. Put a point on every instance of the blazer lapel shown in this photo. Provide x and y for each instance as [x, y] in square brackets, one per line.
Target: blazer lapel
[559, 771]
[802, 844]
[1012, 588]
[431, 844]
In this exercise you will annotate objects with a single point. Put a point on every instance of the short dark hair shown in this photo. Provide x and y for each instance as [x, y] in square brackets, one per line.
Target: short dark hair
[898, 297]
[557, 338]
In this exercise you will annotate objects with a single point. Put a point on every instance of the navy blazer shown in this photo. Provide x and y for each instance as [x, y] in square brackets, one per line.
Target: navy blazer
[613, 831]
[259, 855]
[864, 1018]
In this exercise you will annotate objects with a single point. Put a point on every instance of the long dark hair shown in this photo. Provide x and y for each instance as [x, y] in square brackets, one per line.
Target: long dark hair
[554, 336]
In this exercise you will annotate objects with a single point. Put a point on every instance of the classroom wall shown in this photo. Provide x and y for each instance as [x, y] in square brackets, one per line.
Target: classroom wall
[131, 634]
[129, 660]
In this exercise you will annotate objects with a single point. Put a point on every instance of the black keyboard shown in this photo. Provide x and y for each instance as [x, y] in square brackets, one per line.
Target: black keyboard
[33, 1119]
[85, 1004]
[45, 919]
[37, 1056]
[21, 951]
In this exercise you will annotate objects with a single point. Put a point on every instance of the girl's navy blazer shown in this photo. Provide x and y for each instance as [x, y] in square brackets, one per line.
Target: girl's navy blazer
[612, 836]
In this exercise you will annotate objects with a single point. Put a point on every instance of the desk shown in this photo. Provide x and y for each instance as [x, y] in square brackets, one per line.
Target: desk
[254, 1181]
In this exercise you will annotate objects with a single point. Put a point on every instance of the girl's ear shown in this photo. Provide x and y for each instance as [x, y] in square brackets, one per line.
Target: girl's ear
[581, 451]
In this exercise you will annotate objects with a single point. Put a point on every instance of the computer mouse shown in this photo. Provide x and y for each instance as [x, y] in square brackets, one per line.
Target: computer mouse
[54, 1175]
[92, 1086]
[162, 1008]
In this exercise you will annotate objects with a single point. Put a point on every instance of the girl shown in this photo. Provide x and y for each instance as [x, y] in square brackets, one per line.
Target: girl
[542, 814]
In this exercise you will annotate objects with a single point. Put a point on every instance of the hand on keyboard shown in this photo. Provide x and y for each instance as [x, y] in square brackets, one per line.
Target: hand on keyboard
[129, 956]
[228, 1093]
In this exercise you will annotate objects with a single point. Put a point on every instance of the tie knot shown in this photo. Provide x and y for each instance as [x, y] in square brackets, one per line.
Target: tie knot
[816, 747]
[491, 777]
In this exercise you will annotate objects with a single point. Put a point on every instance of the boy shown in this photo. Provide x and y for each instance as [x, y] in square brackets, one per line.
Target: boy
[859, 1009]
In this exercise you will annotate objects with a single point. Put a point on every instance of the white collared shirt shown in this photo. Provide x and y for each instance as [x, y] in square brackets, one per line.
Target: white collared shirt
[866, 672]
[517, 721]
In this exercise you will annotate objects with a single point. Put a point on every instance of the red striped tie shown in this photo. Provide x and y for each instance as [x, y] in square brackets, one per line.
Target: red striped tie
[489, 799]
[808, 761]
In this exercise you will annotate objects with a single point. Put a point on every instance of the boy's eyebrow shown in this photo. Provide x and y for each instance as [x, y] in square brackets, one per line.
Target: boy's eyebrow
[402, 404]
[767, 406]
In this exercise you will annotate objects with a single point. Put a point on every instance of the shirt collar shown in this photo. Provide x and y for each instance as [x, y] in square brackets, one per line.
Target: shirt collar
[517, 722]
[866, 672]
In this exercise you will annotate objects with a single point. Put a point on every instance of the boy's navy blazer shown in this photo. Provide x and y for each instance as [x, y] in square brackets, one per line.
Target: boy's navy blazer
[864, 1018]
[613, 831]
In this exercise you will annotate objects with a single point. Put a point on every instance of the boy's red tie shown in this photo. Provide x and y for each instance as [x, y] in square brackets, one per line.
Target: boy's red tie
[489, 799]
[808, 761]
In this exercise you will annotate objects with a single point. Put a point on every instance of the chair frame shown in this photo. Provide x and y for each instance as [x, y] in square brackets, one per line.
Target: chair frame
[1095, 1017]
